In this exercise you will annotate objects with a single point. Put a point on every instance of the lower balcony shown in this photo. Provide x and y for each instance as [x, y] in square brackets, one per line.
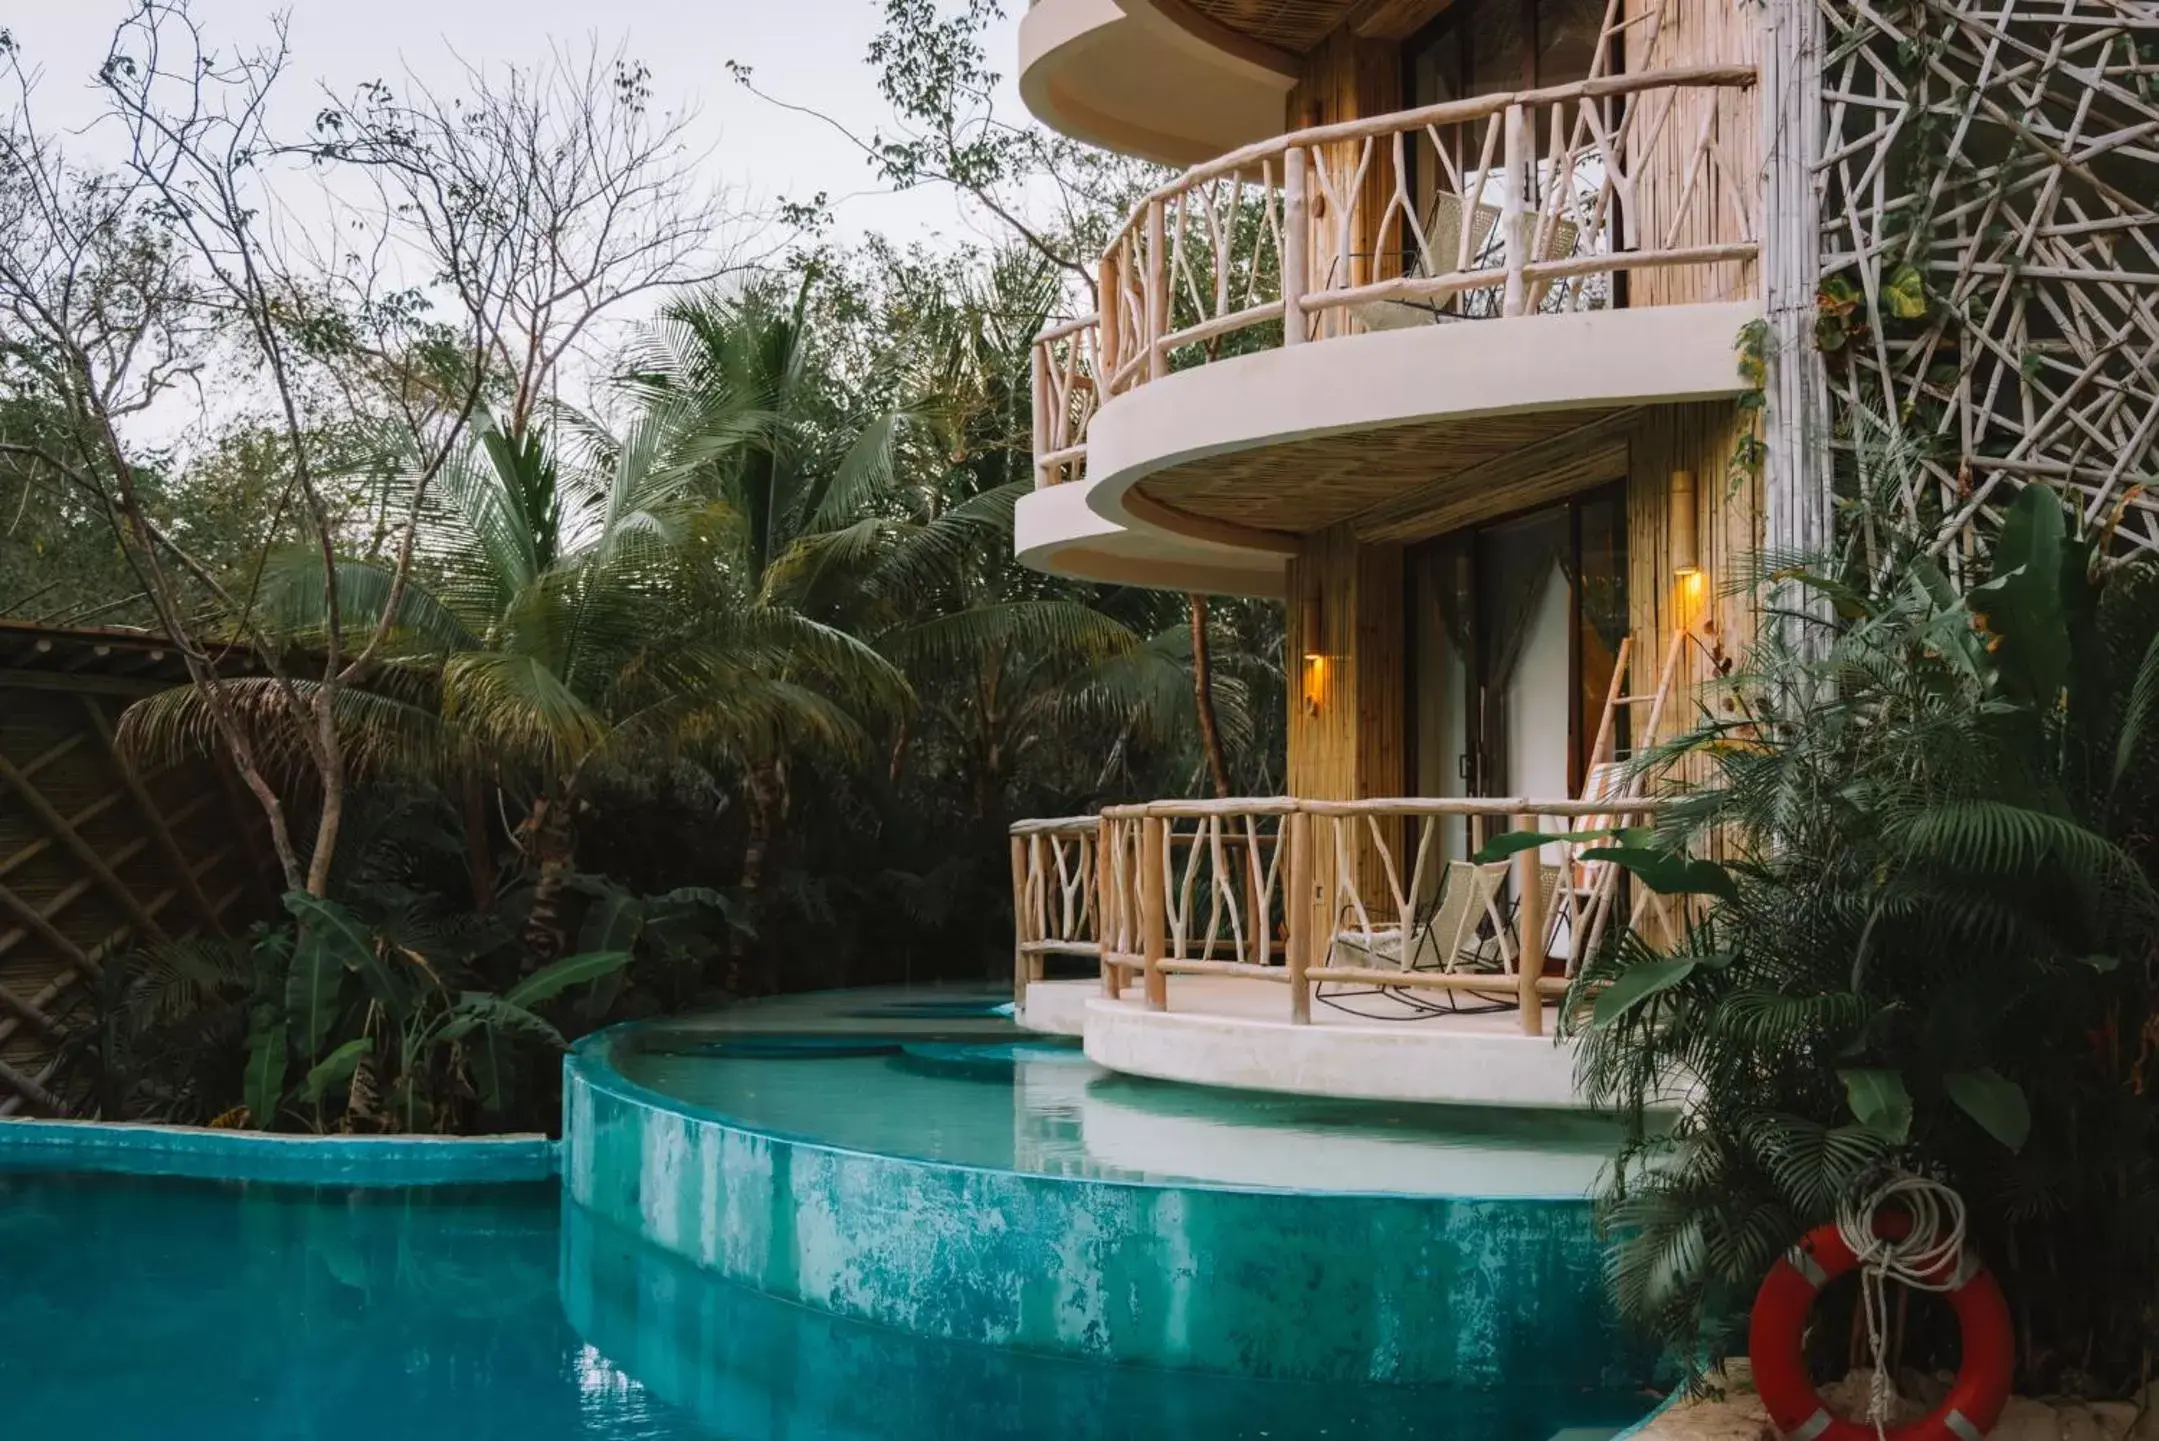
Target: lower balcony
[1334, 948]
[1404, 325]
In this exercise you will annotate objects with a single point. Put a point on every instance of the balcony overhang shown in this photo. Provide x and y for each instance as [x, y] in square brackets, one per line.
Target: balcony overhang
[1054, 530]
[1151, 78]
[1248, 453]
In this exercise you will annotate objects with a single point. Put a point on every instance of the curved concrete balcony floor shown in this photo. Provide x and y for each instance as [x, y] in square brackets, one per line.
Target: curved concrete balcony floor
[1399, 432]
[1151, 78]
[1055, 530]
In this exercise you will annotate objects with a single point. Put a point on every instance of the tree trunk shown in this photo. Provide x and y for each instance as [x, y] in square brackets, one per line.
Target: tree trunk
[768, 793]
[479, 854]
[553, 848]
[1210, 733]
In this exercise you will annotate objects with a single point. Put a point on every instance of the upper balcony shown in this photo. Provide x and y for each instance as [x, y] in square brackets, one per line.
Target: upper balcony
[1405, 323]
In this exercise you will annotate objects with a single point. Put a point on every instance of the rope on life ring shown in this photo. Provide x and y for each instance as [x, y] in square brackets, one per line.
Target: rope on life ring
[1909, 1230]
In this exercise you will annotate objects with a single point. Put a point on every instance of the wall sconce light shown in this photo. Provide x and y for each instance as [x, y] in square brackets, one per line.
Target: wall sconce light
[1313, 678]
[1680, 520]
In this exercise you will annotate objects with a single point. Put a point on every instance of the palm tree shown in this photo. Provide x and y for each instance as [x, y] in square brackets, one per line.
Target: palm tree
[559, 622]
[782, 464]
[1010, 667]
[1937, 947]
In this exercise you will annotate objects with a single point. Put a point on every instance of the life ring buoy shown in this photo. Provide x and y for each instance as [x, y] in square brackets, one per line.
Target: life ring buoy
[1776, 1344]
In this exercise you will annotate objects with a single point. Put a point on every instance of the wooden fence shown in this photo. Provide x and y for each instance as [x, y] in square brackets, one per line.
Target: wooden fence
[96, 855]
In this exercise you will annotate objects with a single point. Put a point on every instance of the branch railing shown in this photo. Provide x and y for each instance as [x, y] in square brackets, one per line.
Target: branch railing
[1314, 894]
[1495, 206]
[1055, 895]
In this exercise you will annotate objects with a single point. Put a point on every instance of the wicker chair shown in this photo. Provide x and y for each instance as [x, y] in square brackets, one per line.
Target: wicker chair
[1443, 246]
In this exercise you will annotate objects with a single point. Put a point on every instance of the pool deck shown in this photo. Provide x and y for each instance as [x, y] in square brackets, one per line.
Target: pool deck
[1221, 1031]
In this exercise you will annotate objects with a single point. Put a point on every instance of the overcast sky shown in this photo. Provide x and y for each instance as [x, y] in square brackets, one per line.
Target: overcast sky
[809, 52]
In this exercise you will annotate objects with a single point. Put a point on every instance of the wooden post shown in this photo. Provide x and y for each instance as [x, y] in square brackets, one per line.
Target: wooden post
[1043, 432]
[1019, 923]
[1156, 281]
[1109, 314]
[1108, 924]
[1512, 216]
[1529, 912]
[1296, 243]
[1795, 499]
[1297, 907]
[1154, 909]
[1259, 935]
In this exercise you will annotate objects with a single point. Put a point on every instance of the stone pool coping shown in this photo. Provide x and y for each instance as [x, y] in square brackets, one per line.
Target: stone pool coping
[385, 1161]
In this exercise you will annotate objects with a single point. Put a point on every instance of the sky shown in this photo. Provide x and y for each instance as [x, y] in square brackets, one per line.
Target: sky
[807, 52]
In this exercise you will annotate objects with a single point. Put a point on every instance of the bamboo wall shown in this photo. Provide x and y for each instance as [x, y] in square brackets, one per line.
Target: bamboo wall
[96, 856]
[1664, 35]
[1347, 78]
[1701, 439]
[1352, 745]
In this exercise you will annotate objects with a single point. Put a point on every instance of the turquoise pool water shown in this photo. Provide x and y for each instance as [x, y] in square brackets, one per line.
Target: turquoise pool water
[858, 1215]
[942, 1077]
[179, 1309]
[914, 1160]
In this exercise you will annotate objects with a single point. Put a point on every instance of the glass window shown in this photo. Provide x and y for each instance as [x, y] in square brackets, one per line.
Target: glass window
[1567, 33]
[1499, 35]
[1515, 629]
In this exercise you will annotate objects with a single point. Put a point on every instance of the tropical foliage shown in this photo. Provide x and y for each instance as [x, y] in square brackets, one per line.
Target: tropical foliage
[731, 677]
[1935, 806]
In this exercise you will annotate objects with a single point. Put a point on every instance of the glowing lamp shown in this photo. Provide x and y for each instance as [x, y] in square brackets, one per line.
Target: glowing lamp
[1313, 677]
[1680, 521]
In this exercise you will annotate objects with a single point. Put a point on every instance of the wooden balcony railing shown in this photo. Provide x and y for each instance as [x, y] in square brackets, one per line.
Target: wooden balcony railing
[1055, 894]
[1311, 894]
[1501, 205]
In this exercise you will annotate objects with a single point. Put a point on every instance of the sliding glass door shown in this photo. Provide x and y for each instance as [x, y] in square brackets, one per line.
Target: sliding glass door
[1514, 631]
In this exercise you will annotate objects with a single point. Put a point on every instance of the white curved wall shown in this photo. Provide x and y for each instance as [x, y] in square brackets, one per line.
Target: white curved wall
[1466, 1061]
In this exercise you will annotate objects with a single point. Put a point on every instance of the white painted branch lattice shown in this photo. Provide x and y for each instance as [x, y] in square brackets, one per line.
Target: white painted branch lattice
[1987, 172]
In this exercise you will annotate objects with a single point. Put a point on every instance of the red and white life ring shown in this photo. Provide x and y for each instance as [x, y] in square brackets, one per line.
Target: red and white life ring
[1776, 1344]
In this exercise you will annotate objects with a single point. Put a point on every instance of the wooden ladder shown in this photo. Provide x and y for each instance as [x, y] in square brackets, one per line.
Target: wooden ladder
[1606, 779]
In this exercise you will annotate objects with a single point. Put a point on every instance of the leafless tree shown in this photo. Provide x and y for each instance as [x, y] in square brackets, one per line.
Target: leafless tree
[565, 176]
[499, 228]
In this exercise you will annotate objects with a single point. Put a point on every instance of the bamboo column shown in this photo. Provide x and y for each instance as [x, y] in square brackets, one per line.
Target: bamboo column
[1109, 915]
[1154, 908]
[1529, 910]
[1512, 218]
[1157, 281]
[1109, 303]
[1297, 910]
[1042, 430]
[1020, 927]
[1296, 239]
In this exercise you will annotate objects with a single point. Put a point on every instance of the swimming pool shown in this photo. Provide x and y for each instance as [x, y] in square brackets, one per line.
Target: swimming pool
[917, 1161]
[176, 1309]
[872, 1214]
[947, 1077]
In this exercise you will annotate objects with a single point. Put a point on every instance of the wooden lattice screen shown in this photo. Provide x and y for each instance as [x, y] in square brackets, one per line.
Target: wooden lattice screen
[1988, 172]
[97, 856]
